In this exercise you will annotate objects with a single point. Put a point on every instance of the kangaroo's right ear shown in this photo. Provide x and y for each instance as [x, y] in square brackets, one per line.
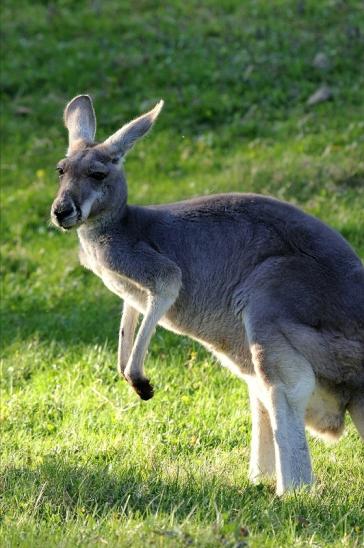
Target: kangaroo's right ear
[80, 120]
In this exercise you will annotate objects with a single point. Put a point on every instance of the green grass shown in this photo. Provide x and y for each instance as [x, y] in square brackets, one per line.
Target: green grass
[84, 462]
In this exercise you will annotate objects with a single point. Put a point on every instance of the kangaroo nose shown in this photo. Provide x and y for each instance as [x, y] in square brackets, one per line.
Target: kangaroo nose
[63, 213]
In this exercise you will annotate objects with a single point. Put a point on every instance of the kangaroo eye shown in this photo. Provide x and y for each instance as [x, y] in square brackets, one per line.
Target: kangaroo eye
[98, 175]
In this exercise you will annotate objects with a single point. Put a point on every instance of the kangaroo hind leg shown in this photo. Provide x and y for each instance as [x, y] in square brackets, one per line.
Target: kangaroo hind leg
[286, 382]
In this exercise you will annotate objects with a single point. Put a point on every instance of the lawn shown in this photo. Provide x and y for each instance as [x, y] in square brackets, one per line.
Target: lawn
[84, 462]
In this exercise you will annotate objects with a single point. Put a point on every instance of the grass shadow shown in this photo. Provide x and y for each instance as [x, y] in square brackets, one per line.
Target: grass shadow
[67, 320]
[66, 487]
[70, 492]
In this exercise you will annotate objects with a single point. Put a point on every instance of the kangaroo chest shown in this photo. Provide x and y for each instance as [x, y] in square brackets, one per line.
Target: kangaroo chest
[121, 286]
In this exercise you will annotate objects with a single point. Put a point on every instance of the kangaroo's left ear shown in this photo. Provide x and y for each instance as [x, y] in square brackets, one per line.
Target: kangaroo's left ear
[123, 140]
[80, 120]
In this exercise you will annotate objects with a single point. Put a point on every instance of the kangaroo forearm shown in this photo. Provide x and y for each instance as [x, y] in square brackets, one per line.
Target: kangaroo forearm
[134, 370]
[161, 278]
[128, 325]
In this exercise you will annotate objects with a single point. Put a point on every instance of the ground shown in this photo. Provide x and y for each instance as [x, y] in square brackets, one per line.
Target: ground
[84, 461]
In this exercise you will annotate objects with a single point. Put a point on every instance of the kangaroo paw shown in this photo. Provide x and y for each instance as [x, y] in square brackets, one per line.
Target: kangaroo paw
[143, 388]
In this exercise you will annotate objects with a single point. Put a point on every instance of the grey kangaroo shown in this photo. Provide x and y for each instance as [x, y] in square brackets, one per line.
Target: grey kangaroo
[273, 293]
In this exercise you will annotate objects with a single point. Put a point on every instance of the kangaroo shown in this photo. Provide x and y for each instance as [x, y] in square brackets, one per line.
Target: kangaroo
[275, 294]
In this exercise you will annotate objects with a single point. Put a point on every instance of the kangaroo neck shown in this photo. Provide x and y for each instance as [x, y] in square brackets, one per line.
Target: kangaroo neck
[105, 222]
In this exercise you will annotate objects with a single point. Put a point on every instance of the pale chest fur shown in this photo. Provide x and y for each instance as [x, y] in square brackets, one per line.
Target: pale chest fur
[121, 286]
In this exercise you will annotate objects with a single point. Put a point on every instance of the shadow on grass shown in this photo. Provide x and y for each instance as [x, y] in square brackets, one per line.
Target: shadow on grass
[70, 320]
[66, 490]
[61, 492]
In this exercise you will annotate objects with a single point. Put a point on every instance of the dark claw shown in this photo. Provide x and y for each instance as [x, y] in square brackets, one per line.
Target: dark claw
[143, 388]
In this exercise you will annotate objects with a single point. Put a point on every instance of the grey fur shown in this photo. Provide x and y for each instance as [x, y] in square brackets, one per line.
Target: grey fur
[274, 293]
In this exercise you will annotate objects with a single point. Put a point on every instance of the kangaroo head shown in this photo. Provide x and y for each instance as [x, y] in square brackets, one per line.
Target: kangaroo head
[92, 182]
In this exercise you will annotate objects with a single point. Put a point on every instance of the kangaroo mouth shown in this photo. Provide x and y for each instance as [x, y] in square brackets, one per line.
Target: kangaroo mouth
[71, 221]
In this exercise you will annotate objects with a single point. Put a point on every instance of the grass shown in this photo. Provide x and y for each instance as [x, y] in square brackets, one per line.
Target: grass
[84, 462]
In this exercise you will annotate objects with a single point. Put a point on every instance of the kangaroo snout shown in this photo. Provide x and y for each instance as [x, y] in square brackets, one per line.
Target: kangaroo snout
[65, 214]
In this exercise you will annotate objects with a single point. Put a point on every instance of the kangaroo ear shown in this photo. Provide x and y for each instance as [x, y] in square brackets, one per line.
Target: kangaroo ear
[122, 140]
[80, 120]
